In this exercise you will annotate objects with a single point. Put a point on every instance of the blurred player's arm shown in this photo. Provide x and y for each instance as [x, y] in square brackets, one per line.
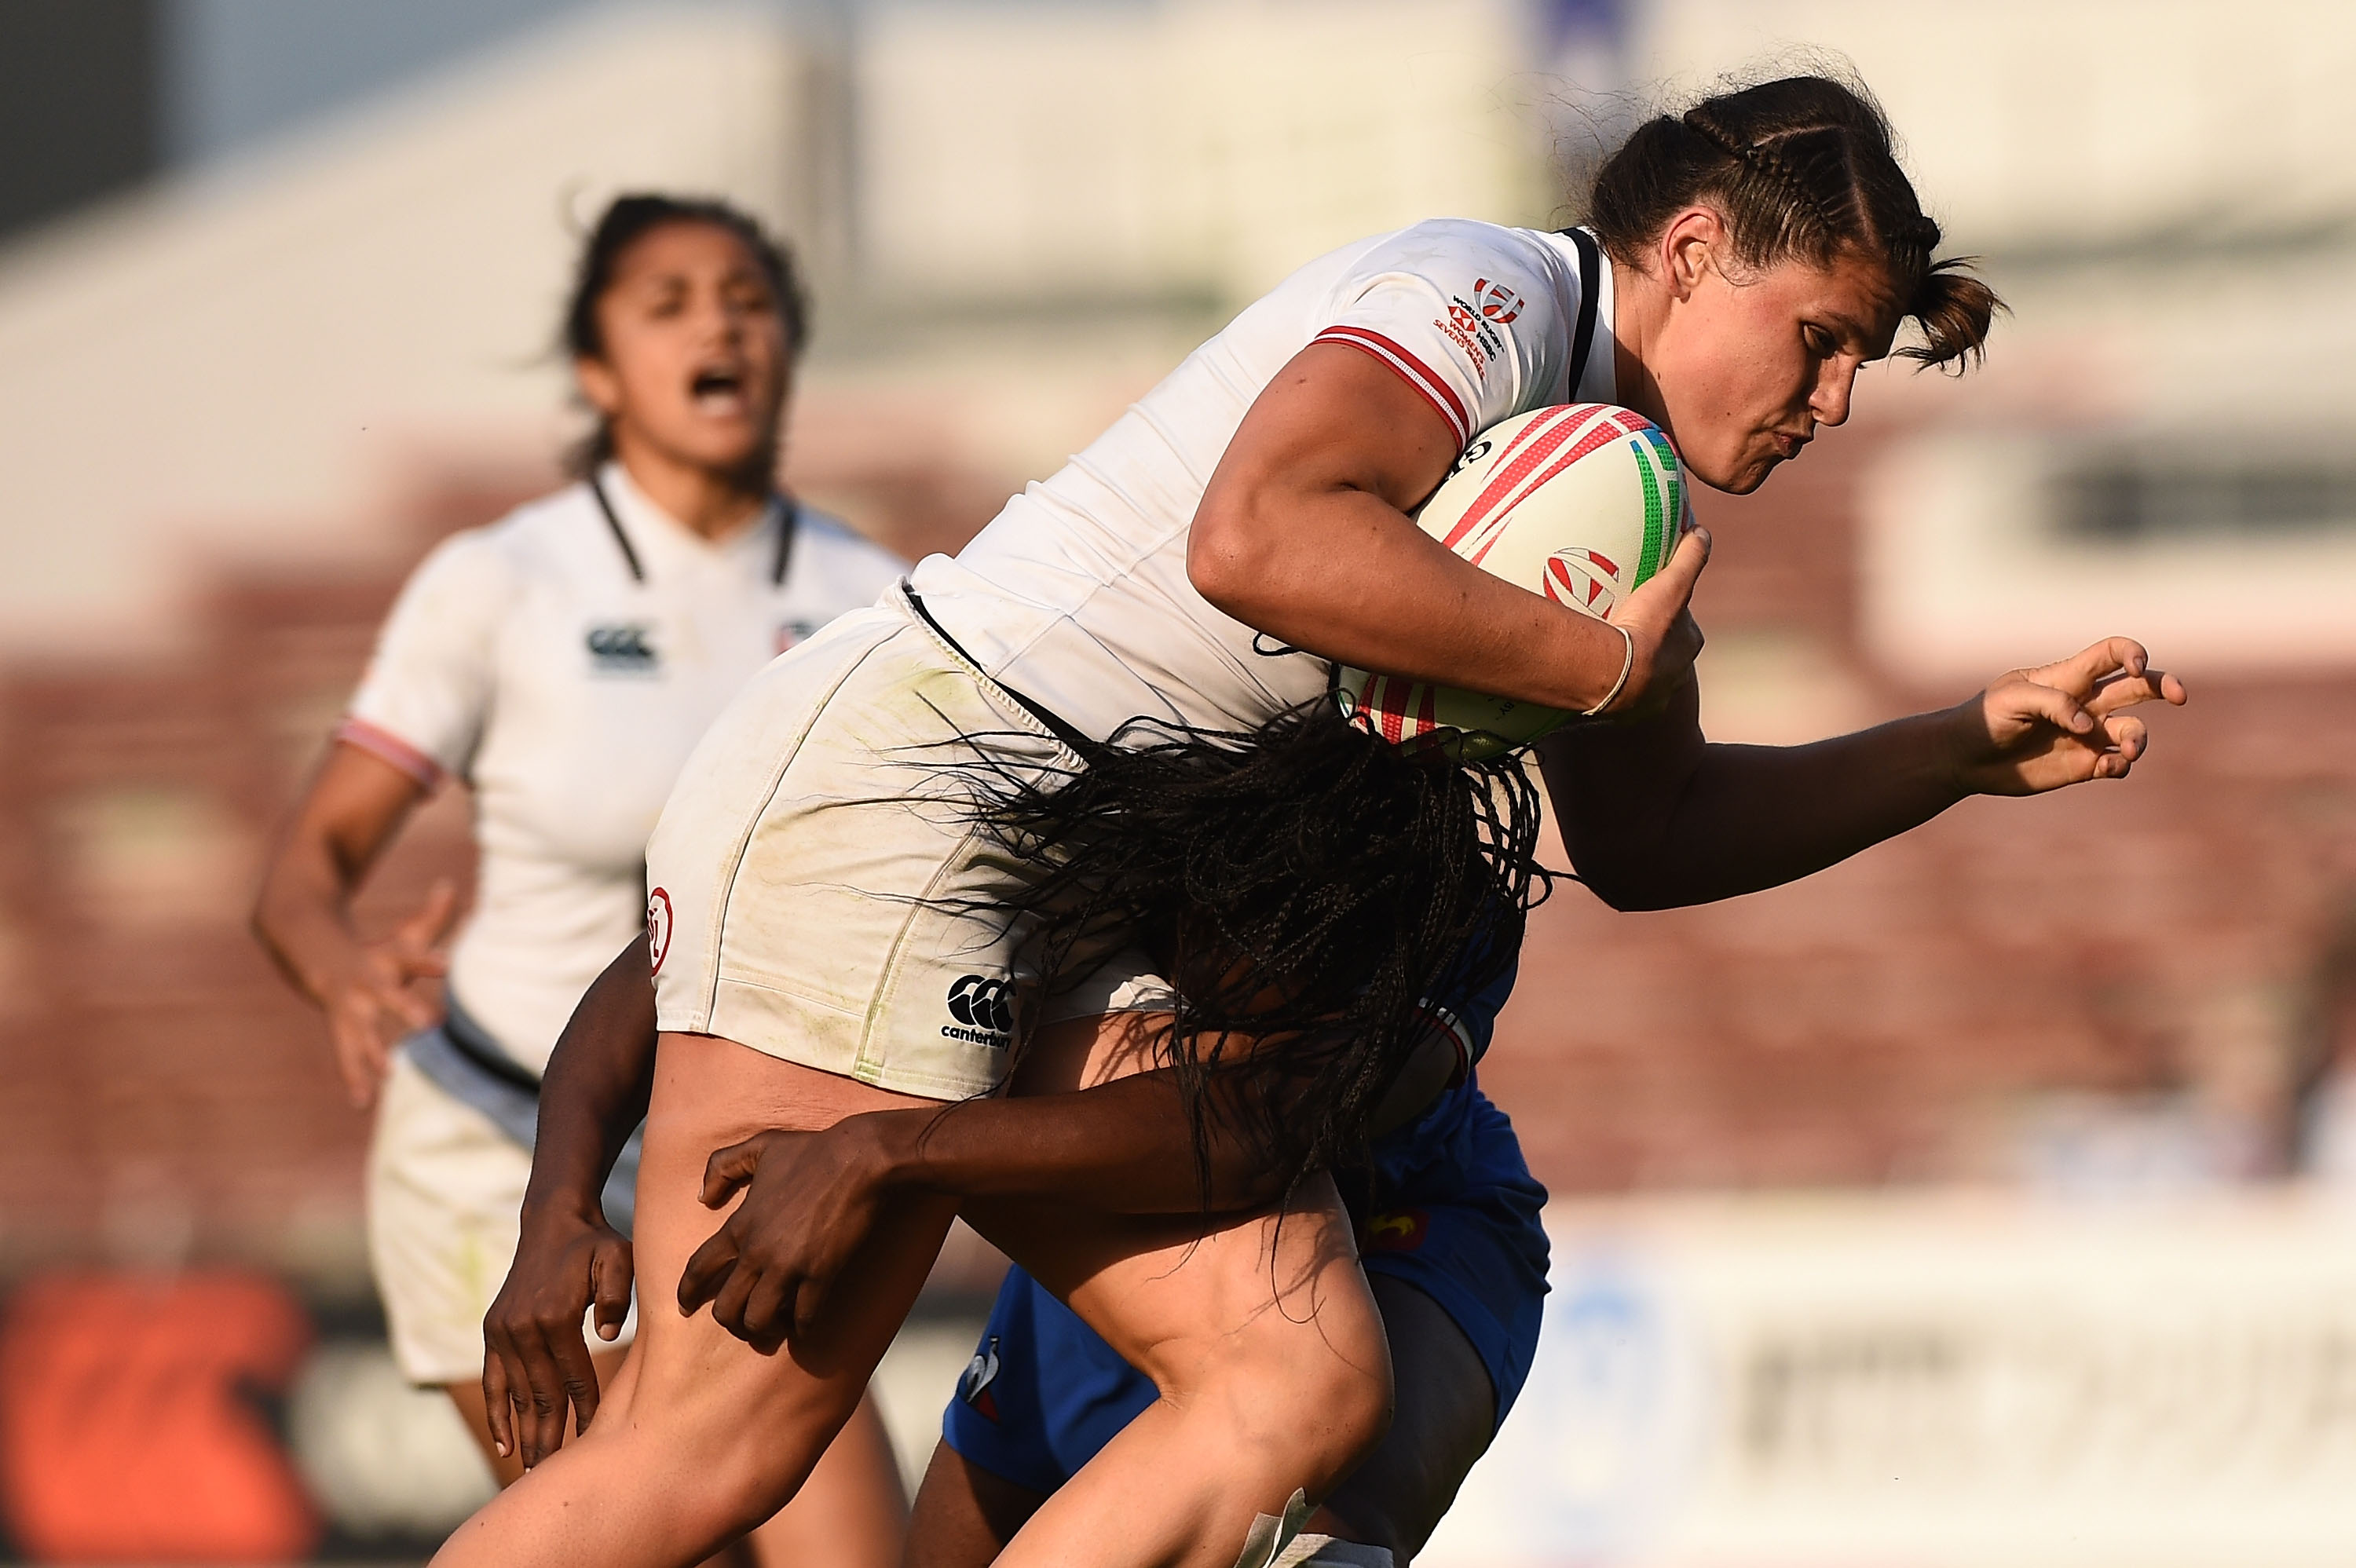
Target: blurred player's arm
[302, 916]
[568, 1259]
[1655, 816]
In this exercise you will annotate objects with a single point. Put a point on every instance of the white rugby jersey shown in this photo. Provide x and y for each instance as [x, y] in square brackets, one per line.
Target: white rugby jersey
[1077, 596]
[565, 681]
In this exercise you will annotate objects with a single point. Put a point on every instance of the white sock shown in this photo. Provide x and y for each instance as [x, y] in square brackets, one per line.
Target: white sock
[1269, 1535]
[1324, 1552]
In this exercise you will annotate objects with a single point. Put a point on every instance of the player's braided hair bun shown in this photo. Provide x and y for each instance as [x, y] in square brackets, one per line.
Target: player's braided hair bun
[1800, 168]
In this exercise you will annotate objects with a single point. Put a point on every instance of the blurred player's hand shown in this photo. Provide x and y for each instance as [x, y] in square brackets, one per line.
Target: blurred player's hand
[810, 1200]
[535, 1363]
[2064, 723]
[377, 1002]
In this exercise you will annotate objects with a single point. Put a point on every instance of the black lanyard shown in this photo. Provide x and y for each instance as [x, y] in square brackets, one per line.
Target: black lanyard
[785, 528]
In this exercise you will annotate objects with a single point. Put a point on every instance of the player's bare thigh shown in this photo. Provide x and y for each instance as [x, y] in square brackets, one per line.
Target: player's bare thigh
[1175, 1293]
[709, 1092]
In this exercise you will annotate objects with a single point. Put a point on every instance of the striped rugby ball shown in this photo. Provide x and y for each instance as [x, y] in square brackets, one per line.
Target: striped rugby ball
[1580, 501]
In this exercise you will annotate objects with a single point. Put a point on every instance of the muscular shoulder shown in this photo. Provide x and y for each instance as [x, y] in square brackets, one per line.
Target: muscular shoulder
[1476, 316]
[1445, 244]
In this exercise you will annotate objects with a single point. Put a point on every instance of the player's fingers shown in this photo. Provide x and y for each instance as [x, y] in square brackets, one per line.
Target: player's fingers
[731, 1168]
[1676, 579]
[537, 1399]
[768, 1308]
[2078, 672]
[809, 1295]
[728, 1304]
[2124, 691]
[706, 1270]
[580, 1374]
[610, 1272]
[2035, 699]
[360, 1055]
[495, 1401]
[2129, 737]
[432, 921]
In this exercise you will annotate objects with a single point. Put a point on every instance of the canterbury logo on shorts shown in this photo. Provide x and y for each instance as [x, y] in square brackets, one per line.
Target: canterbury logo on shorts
[984, 1014]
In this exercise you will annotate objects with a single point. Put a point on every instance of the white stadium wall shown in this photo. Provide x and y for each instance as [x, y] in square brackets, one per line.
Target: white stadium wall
[253, 363]
[1207, 147]
[2036, 121]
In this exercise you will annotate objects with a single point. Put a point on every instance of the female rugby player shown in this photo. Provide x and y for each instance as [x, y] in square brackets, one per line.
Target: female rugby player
[562, 662]
[1201, 565]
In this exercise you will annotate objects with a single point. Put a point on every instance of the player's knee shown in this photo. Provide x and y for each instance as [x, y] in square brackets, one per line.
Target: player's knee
[1320, 1412]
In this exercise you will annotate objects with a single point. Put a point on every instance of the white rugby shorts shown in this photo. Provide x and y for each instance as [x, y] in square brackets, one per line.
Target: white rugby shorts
[819, 888]
[444, 1199]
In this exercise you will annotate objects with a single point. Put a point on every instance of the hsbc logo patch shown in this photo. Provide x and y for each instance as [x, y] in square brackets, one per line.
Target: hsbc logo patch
[984, 1012]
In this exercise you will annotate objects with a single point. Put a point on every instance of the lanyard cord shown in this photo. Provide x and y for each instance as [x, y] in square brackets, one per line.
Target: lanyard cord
[785, 527]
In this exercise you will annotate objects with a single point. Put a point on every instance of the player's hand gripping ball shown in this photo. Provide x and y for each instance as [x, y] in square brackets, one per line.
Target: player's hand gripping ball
[1581, 502]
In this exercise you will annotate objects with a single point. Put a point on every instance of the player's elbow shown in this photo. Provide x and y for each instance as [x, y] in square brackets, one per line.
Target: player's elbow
[1228, 562]
[1625, 884]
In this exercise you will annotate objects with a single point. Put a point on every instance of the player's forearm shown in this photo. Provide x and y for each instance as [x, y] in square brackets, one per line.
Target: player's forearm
[595, 1089]
[1758, 816]
[1121, 1148]
[1736, 819]
[1345, 575]
[301, 918]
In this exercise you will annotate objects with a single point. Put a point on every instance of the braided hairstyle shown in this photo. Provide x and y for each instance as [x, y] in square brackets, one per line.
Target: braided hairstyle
[1800, 167]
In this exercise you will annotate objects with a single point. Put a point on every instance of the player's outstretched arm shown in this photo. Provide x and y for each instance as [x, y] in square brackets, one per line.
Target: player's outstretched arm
[568, 1259]
[1654, 816]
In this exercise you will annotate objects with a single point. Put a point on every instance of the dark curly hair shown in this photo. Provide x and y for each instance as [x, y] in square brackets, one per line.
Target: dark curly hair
[1309, 889]
[1800, 167]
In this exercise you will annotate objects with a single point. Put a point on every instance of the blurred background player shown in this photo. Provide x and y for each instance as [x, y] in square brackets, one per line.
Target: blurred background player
[561, 662]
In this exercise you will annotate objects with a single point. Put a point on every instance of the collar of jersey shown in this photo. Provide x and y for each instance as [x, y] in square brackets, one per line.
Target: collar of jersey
[655, 532]
[1602, 359]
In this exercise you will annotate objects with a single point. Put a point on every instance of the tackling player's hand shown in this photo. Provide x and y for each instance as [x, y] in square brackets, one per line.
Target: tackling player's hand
[535, 1363]
[810, 1200]
[2063, 723]
[1664, 638]
[376, 1002]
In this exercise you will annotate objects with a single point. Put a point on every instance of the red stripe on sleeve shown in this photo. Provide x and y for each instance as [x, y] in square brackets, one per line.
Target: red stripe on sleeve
[386, 746]
[1410, 370]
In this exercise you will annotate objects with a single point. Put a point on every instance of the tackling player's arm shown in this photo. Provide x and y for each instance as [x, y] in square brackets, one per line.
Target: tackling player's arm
[1655, 816]
[811, 1199]
[568, 1259]
[1303, 533]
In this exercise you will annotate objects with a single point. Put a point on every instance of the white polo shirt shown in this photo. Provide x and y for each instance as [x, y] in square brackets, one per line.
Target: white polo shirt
[529, 661]
[1077, 596]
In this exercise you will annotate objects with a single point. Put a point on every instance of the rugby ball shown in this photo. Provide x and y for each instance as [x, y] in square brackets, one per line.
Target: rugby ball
[1580, 501]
